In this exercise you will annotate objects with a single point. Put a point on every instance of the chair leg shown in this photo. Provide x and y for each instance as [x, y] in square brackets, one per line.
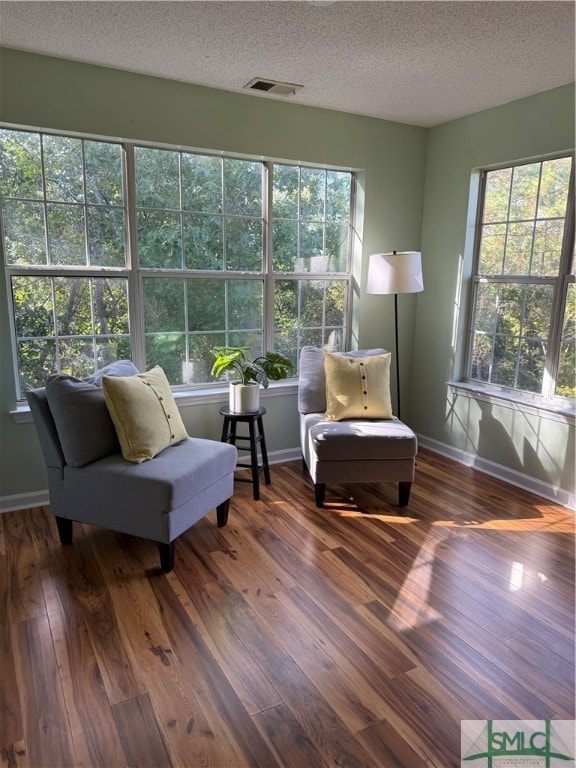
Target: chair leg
[166, 555]
[404, 493]
[64, 526]
[222, 513]
[319, 493]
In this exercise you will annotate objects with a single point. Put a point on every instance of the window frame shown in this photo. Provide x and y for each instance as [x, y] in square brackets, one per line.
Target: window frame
[547, 399]
[135, 274]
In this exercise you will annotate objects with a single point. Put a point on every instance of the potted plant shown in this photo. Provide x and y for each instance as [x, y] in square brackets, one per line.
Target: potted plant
[249, 374]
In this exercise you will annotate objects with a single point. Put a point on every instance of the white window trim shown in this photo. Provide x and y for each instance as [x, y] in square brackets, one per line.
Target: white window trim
[556, 408]
[186, 398]
[184, 394]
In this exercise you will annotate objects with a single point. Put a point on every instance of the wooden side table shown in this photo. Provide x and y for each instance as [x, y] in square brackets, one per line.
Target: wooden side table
[248, 442]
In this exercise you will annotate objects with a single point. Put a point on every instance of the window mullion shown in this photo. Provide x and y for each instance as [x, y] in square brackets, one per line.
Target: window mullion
[471, 324]
[181, 200]
[560, 295]
[268, 340]
[226, 313]
[55, 323]
[44, 202]
[223, 208]
[554, 339]
[535, 222]
[346, 336]
[521, 337]
[85, 205]
[507, 218]
[135, 280]
[493, 335]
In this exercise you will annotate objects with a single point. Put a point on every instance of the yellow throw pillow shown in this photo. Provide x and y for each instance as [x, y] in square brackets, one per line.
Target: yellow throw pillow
[144, 413]
[357, 387]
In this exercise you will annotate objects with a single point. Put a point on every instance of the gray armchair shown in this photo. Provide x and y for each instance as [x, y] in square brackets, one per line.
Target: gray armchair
[354, 450]
[89, 480]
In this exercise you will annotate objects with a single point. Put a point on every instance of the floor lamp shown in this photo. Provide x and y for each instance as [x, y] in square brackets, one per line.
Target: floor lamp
[396, 272]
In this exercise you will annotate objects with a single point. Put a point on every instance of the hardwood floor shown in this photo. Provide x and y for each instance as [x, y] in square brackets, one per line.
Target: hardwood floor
[357, 635]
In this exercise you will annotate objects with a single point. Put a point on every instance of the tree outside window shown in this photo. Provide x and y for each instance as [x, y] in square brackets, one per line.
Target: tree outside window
[524, 312]
[194, 273]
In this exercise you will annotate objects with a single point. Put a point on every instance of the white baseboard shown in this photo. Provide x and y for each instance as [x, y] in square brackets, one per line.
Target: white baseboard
[527, 483]
[23, 501]
[289, 454]
[499, 471]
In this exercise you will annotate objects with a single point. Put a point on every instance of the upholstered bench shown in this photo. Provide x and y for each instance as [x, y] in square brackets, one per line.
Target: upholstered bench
[351, 450]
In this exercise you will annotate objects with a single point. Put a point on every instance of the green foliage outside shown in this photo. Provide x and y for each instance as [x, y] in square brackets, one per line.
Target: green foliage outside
[200, 240]
[522, 238]
[260, 369]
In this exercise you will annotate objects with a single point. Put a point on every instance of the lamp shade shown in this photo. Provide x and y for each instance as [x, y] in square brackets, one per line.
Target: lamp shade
[398, 272]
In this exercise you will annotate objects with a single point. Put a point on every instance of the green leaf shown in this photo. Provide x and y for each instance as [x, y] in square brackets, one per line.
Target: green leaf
[269, 366]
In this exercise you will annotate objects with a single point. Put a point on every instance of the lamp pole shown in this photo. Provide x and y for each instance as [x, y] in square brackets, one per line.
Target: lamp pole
[394, 253]
[397, 272]
[397, 356]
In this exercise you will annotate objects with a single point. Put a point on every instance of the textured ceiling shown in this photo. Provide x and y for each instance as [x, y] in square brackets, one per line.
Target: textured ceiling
[415, 62]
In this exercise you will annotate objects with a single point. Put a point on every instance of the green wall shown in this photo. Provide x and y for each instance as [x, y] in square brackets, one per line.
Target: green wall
[528, 443]
[414, 194]
[50, 93]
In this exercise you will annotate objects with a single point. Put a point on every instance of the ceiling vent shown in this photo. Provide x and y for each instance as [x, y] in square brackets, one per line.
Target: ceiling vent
[272, 86]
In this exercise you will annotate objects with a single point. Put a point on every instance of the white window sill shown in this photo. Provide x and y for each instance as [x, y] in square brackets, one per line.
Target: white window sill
[220, 395]
[21, 414]
[547, 409]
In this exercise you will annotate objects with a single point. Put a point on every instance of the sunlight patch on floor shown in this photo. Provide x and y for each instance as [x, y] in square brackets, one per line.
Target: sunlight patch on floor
[394, 519]
[516, 577]
[564, 524]
[411, 608]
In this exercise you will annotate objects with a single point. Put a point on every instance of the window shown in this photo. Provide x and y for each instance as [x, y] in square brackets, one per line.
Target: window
[115, 250]
[200, 242]
[310, 246]
[63, 218]
[524, 312]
